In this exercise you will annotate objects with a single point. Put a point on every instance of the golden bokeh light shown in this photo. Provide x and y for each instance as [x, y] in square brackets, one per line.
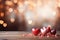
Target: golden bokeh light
[32, 5]
[36, 10]
[15, 1]
[29, 21]
[10, 10]
[26, 2]
[1, 21]
[21, 7]
[59, 4]
[12, 20]
[4, 24]
[2, 14]
[9, 3]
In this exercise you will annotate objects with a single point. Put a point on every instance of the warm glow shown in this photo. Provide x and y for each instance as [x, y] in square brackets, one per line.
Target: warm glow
[58, 4]
[21, 7]
[0, 0]
[9, 3]
[34, 12]
[29, 21]
[31, 6]
[26, 2]
[2, 14]
[39, 11]
[15, 1]
[12, 20]
[10, 9]
[1, 21]
[5, 25]
[1, 6]
[54, 13]
[46, 12]
[49, 26]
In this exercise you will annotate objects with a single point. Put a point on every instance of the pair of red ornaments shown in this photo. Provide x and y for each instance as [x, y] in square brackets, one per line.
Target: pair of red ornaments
[44, 31]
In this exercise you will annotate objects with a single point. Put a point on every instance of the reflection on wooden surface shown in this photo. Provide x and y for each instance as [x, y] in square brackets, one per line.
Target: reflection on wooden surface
[24, 36]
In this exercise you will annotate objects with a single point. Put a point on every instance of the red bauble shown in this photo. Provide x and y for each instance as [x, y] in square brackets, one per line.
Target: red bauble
[48, 29]
[35, 31]
[43, 31]
[53, 32]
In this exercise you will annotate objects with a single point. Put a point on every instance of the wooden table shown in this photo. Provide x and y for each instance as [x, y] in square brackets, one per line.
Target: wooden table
[13, 35]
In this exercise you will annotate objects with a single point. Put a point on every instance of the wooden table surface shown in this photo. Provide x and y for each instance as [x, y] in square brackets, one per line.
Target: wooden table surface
[14, 35]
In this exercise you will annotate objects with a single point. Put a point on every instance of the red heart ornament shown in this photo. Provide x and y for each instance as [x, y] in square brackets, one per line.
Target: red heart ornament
[35, 31]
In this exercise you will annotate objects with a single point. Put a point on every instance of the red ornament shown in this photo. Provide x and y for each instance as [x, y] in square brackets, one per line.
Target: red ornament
[43, 31]
[53, 32]
[48, 29]
[35, 31]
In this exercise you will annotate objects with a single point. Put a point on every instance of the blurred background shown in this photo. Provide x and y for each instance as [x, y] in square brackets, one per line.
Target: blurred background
[23, 15]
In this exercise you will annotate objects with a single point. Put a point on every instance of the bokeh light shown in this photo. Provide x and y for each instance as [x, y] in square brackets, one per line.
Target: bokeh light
[58, 3]
[15, 1]
[10, 10]
[21, 7]
[32, 12]
[12, 20]
[2, 14]
[9, 3]
[29, 21]
[1, 21]
[4, 24]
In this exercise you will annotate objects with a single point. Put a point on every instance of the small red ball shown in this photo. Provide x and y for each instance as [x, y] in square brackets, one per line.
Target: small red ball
[53, 32]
